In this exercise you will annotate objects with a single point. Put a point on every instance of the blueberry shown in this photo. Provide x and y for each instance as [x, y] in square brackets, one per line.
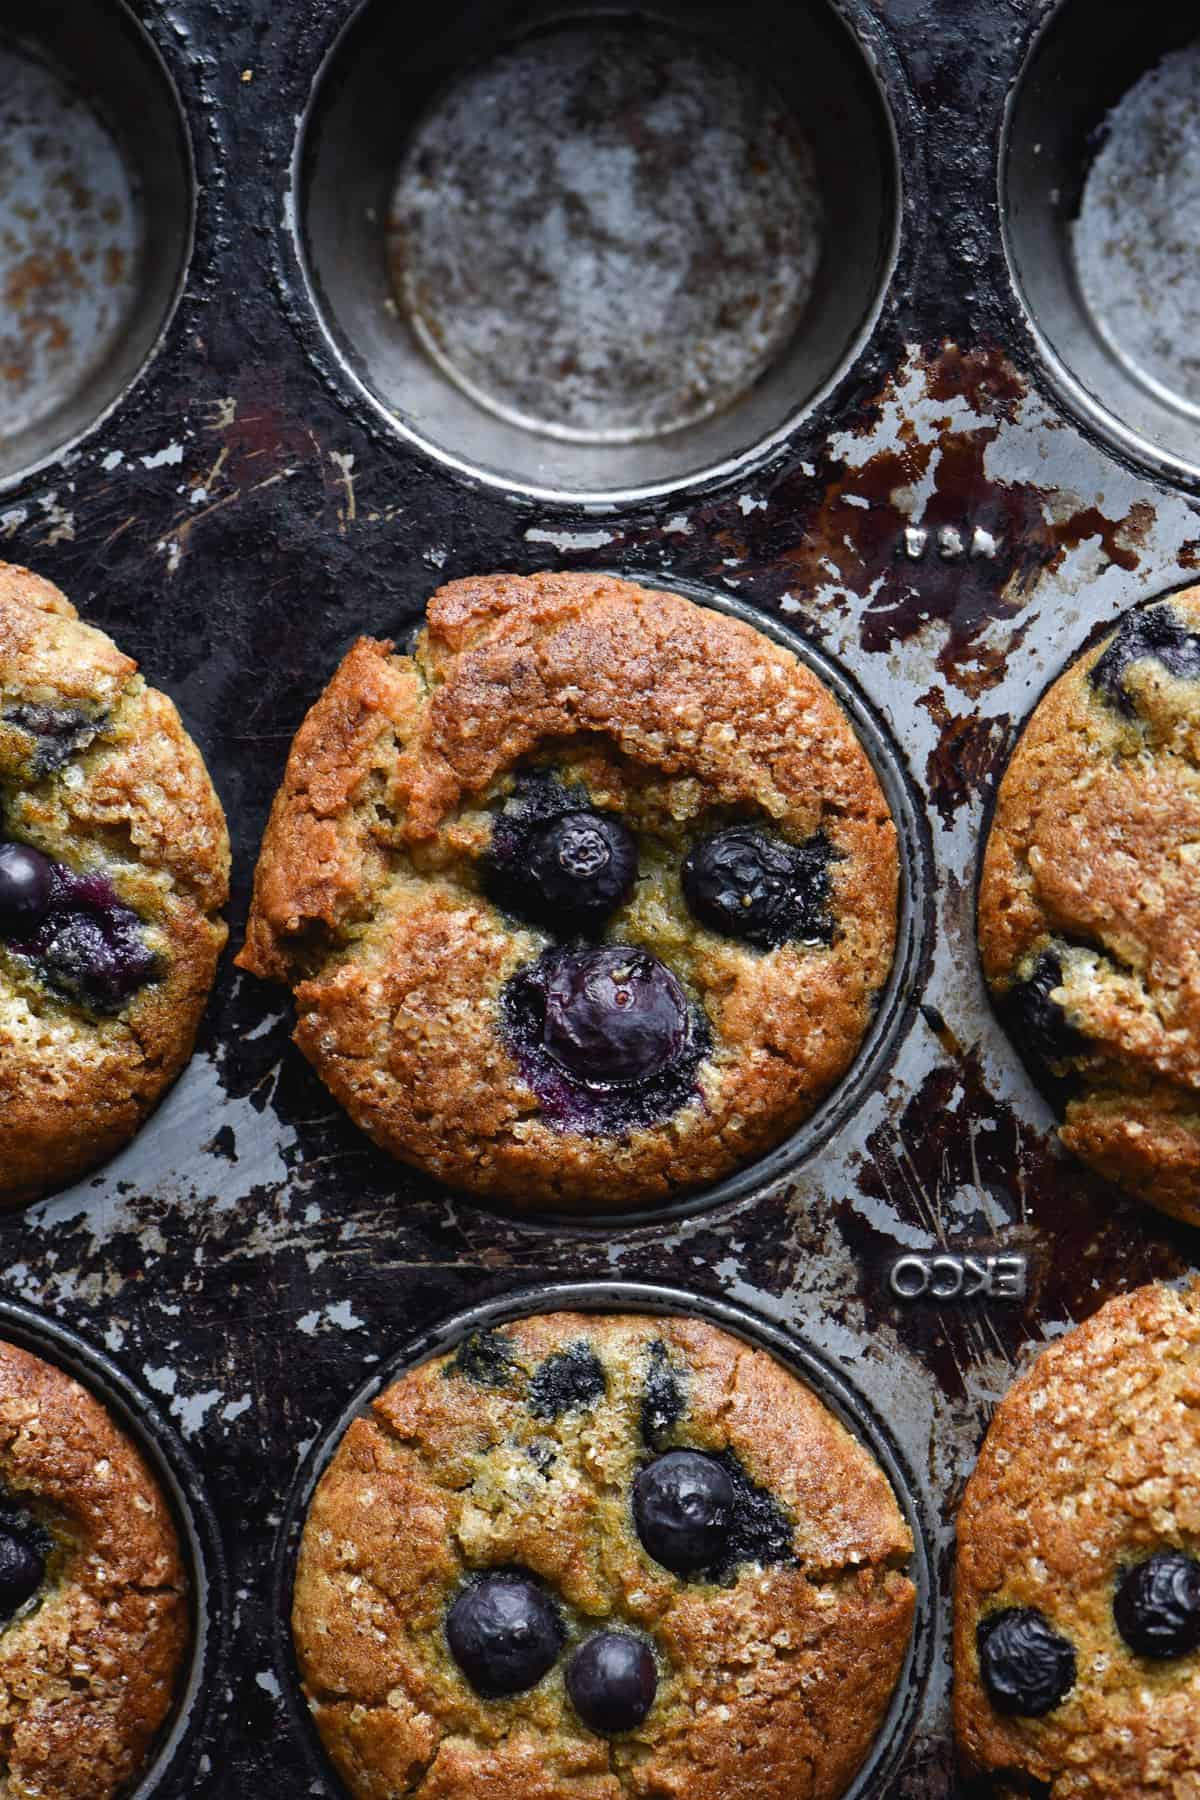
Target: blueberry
[613, 1014]
[58, 733]
[612, 1681]
[682, 1507]
[26, 888]
[581, 867]
[1157, 1605]
[743, 884]
[22, 1570]
[1039, 1023]
[1158, 635]
[98, 959]
[504, 1634]
[1026, 1667]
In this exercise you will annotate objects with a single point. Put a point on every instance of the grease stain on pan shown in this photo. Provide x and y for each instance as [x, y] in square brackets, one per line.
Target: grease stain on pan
[70, 242]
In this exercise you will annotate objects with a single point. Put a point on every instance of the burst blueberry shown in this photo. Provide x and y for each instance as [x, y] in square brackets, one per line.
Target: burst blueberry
[22, 1569]
[504, 1633]
[1038, 1022]
[1157, 635]
[613, 1014]
[98, 959]
[742, 883]
[1157, 1605]
[1026, 1667]
[26, 888]
[682, 1507]
[612, 1681]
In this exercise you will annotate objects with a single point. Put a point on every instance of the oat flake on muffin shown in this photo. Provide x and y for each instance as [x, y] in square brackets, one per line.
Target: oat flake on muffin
[586, 902]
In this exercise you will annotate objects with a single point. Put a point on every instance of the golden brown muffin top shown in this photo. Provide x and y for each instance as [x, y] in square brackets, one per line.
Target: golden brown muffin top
[98, 774]
[90, 1665]
[370, 898]
[1089, 906]
[1090, 1467]
[519, 1450]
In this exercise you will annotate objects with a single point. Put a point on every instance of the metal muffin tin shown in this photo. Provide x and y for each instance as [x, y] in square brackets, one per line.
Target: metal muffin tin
[960, 495]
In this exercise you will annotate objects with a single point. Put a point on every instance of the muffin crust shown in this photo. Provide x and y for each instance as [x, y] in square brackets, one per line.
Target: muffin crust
[369, 901]
[121, 793]
[1091, 1464]
[774, 1675]
[89, 1669]
[1089, 888]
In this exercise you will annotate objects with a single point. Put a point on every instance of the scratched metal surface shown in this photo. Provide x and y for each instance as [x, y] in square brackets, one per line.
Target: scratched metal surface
[245, 513]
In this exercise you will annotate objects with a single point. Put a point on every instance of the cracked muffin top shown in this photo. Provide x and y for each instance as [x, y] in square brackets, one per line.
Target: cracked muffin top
[589, 1557]
[585, 902]
[1089, 906]
[114, 865]
[1077, 1610]
[94, 1616]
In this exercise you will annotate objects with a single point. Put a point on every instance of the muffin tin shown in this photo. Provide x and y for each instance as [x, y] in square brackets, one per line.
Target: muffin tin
[946, 501]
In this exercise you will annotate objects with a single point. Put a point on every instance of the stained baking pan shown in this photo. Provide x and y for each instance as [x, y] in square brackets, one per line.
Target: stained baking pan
[950, 467]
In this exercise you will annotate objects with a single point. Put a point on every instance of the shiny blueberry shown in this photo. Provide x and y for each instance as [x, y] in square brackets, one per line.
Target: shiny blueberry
[582, 865]
[26, 887]
[504, 1634]
[1157, 1605]
[682, 1507]
[22, 1570]
[613, 1014]
[612, 1681]
[744, 884]
[1027, 1668]
[1037, 1022]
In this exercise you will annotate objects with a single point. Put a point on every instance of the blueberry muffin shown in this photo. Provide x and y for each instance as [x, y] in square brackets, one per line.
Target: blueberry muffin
[94, 1617]
[1077, 1612]
[114, 865]
[1089, 907]
[585, 902]
[590, 1558]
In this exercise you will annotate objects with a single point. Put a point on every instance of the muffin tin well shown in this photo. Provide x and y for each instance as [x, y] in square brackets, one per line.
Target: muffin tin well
[96, 208]
[180, 1749]
[935, 493]
[825, 1380]
[679, 232]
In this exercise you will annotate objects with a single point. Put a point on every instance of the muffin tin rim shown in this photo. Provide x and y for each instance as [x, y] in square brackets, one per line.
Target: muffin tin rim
[190, 1726]
[898, 1003]
[815, 1369]
[298, 292]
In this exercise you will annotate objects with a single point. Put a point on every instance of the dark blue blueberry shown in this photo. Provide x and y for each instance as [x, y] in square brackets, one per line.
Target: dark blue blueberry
[582, 866]
[613, 1014]
[605, 1037]
[1025, 1666]
[746, 885]
[1157, 1605]
[571, 1379]
[484, 1358]
[683, 1509]
[99, 959]
[1039, 1023]
[22, 1569]
[612, 1681]
[26, 889]
[556, 861]
[504, 1633]
[1158, 635]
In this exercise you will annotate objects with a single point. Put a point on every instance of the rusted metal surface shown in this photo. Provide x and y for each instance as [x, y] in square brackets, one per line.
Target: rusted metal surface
[939, 527]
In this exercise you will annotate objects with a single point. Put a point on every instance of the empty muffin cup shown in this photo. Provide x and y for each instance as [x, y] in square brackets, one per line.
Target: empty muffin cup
[95, 217]
[1100, 200]
[603, 254]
